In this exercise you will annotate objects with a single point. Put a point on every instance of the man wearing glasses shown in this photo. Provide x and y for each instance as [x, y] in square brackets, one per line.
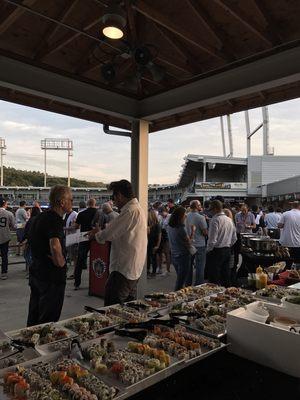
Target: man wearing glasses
[47, 273]
[128, 236]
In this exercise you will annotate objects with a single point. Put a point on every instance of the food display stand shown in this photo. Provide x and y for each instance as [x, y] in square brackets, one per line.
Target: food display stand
[99, 268]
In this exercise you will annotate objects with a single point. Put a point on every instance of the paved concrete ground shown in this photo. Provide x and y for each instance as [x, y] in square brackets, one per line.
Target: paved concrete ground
[14, 296]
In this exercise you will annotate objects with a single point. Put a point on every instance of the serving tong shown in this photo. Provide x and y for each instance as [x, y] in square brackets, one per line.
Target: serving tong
[92, 309]
[139, 330]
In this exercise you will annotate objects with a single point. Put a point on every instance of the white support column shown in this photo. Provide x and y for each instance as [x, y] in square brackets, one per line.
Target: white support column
[139, 177]
[223, 136]
[69, 168]
[45, 168]
[265, 115]
[1, 184]
[248, 133]
[230, 136]
[204, 177]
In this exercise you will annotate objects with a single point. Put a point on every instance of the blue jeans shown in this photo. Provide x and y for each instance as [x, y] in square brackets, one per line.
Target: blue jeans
[182, 266]
[199, 258]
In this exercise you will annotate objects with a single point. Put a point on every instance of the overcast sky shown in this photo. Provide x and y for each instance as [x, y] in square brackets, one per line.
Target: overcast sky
[100, 157]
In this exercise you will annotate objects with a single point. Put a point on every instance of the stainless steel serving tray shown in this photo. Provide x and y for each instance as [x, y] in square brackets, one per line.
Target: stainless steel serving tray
[267, 299]
[175, 366]
[31, 356]
[87, 315]
[16, 334]
[192, 327]
[52, 358]
[121, 343]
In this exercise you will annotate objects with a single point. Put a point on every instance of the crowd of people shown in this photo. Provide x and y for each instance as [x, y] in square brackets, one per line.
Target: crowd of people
[208, 239]
[44, 235]
[201, 243]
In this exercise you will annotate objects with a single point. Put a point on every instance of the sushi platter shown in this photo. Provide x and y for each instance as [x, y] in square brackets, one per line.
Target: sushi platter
[54, 377]
[161, 300]
[40, 335]
[274, 293]
[91, 325]
[208, 315]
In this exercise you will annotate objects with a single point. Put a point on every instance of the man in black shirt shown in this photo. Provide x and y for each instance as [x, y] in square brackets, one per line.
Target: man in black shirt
[84, 221]
[171, 205]
[47, 273]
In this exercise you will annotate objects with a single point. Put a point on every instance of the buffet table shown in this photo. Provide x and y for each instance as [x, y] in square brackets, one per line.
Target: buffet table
[250, 261]
[125, 351]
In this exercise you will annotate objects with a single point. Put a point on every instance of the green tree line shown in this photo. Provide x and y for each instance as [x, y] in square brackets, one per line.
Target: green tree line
[17, 177]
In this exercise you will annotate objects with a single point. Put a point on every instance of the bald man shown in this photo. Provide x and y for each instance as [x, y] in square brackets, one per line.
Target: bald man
[84, 222]
[109, 212]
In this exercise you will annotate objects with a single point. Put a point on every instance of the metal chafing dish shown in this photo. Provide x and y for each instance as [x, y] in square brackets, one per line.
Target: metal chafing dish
[245, 238]
[263, 245]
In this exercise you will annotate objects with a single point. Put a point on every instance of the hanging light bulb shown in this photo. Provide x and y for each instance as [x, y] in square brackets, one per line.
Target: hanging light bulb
[114, 21]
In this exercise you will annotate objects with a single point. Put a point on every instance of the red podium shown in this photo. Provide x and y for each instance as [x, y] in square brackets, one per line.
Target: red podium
[99, 268]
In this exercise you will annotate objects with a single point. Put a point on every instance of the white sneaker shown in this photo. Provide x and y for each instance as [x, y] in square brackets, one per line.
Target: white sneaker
[3, 277]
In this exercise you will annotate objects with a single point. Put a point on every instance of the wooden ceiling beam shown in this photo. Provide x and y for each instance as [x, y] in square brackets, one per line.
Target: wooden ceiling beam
[163, 20]
[85, 66]
[62, 42]
[179, 66]
[14, 15]
[245, 20]
[131, 22]
[49, 34]
[182, 51]
[216, 31]
[272, 26]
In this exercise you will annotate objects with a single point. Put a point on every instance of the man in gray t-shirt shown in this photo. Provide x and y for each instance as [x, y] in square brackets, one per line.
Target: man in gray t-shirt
[7, 222]
[197, 230]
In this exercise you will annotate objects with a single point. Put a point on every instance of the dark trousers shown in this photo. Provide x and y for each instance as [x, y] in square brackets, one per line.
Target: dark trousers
[295, 256]
[4, 256]
[219, 266]
[83, 250]
[182, 265]
[119, 289]
[151, 259]
[237, 250]
[46, 301]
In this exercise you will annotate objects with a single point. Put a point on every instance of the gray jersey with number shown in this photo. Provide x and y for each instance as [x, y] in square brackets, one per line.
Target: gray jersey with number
[7, 222]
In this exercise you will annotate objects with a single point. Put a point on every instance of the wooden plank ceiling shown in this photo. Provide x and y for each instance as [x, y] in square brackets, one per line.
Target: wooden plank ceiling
[187, 39]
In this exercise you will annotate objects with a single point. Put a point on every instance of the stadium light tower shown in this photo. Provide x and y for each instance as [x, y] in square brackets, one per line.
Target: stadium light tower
[57, 144]
[2, 147]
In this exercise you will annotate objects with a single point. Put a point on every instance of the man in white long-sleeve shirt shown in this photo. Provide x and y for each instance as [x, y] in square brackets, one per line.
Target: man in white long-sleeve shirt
[128, 236]
[221, 237]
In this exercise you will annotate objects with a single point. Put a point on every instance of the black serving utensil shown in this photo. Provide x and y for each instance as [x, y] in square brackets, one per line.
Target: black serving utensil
[183, 314]
[138, 334]
[92, 309]
[179, 320]
[22, 344]
[150, 324]
[137, 306]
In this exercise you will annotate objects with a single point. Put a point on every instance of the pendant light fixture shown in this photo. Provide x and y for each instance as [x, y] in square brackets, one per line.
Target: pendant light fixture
[114, 21]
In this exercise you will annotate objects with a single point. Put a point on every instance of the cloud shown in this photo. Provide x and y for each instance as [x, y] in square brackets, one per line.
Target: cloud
[98, 156]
